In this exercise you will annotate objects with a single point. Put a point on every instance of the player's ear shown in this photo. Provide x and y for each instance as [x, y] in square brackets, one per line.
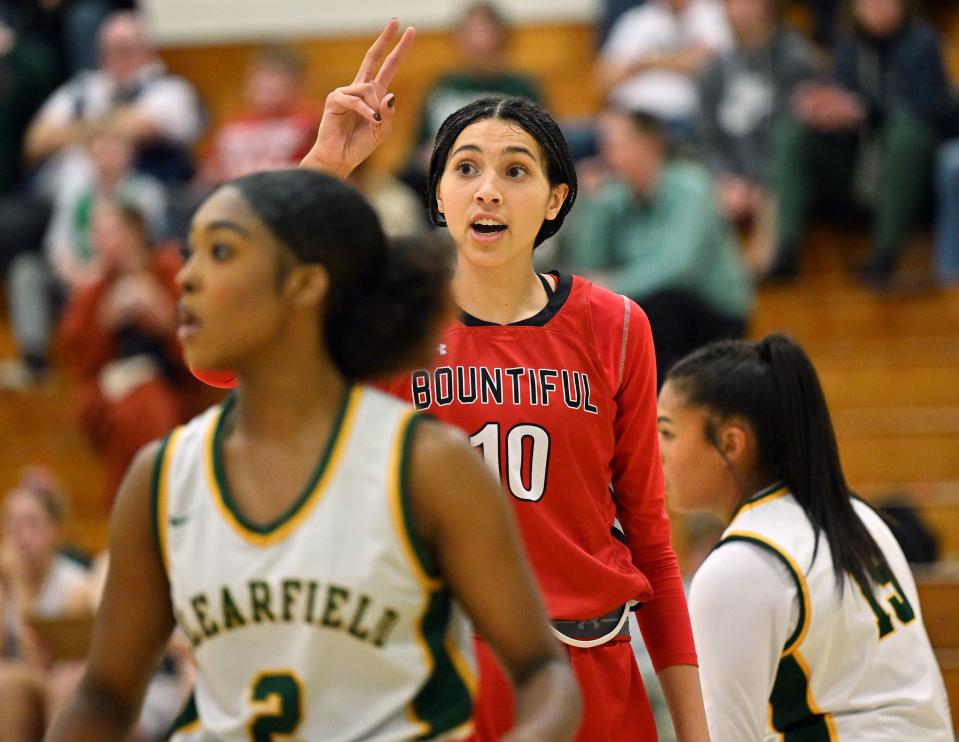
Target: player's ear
[734, 440]
[307, 285]
[557, 196]
[439, 203]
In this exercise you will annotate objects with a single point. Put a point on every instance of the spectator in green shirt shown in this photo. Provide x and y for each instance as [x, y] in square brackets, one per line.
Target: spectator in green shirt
[482, 36]
[653, 232]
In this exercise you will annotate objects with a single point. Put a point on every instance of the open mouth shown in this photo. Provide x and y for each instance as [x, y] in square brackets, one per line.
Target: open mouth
[188, 324]
[487, 227]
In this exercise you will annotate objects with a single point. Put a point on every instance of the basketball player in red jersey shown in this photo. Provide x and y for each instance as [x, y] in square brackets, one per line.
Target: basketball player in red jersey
[553, 379]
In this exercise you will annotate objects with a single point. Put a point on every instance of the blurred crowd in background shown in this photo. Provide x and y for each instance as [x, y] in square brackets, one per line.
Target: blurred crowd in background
[724, 133]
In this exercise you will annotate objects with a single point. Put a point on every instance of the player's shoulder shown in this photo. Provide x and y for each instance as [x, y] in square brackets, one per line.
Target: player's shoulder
[382, 397]
[737, 565]
[593, 298]
[607, 312]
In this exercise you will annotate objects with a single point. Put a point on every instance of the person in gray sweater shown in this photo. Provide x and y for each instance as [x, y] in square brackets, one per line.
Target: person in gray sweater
[745, 95]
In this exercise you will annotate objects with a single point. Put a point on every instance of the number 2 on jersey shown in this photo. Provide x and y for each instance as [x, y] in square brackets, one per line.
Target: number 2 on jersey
[278, 697]
[897, 599]
[526, 464]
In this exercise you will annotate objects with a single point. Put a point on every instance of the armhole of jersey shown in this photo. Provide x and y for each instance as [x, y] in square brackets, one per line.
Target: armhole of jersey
[420, 561]
[622, 352]
[802, 625]
[187, 721]
[159, 494]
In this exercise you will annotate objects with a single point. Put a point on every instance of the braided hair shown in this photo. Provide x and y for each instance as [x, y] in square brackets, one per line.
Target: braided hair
[536, 122]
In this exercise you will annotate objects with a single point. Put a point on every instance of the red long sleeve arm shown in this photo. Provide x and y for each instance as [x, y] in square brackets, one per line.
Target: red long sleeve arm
[85, 345]
[639, 493]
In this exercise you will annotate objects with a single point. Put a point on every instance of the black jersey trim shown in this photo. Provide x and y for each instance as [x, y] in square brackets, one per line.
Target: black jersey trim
[792, 711]
[557, 299]
[187, 720]
[805, 606]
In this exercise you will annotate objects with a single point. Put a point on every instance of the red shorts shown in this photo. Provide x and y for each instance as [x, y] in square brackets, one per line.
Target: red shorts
[615, 706]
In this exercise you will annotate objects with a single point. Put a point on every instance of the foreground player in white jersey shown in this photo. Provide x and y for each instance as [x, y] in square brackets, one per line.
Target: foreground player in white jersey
[315, 541]
[806, 616]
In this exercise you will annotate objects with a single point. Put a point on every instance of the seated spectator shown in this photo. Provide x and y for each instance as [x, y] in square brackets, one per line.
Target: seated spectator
[654, 233]
[35, 580]
[38, 282]
[481, 36]
[868, 138]
[655, 54]
[160, 112]
[118, 335]
[745, 93]
[946, 262]
[275, 128]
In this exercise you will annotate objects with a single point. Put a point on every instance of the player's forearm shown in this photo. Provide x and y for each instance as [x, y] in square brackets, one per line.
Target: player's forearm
[548, 704]
[685, 700]
[92, 714]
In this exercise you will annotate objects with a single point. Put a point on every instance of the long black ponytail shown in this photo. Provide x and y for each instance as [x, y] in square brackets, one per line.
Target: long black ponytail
[774, 386]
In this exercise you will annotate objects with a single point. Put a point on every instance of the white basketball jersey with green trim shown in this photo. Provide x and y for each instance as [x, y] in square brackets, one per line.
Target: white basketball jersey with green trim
[328, 624]
[857, 667]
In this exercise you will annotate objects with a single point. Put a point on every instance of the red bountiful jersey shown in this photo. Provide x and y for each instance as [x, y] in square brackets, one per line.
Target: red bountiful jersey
[563, 406]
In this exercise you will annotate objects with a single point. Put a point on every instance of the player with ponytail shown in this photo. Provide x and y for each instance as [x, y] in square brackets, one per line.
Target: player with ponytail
[806, 615]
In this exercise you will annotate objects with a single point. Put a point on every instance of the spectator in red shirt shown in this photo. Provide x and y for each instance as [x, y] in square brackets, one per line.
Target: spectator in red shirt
[118, 335]
[274, 130]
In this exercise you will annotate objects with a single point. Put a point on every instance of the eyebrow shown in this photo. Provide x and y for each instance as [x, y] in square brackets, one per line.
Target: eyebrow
[512, 149]
[228, 225]
[663, 419]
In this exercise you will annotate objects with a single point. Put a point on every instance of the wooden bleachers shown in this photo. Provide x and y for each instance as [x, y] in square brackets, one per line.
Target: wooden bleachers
[939, 598]
[36, 428]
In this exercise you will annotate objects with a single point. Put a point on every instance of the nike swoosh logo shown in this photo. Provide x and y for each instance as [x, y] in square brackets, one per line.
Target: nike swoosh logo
[178, 520]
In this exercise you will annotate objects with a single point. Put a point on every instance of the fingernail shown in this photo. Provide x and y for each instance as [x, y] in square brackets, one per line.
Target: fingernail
[392, 101]
[377, 117]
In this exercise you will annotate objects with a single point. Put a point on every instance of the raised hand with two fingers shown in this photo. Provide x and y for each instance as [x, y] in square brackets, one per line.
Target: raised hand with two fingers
[358, 117]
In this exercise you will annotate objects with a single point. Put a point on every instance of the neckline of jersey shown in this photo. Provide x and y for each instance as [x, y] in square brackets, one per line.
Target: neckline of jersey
[557, 299]
[225, 495]
[768, 493]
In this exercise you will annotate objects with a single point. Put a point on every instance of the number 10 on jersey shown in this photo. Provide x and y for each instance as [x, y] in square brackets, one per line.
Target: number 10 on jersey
[527, 457]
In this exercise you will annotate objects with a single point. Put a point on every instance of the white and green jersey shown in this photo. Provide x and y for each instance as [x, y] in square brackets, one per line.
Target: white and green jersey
[784, 656]
[329, 623]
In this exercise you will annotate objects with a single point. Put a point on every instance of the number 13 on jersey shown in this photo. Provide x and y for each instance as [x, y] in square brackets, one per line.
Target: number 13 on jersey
[527, 457]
